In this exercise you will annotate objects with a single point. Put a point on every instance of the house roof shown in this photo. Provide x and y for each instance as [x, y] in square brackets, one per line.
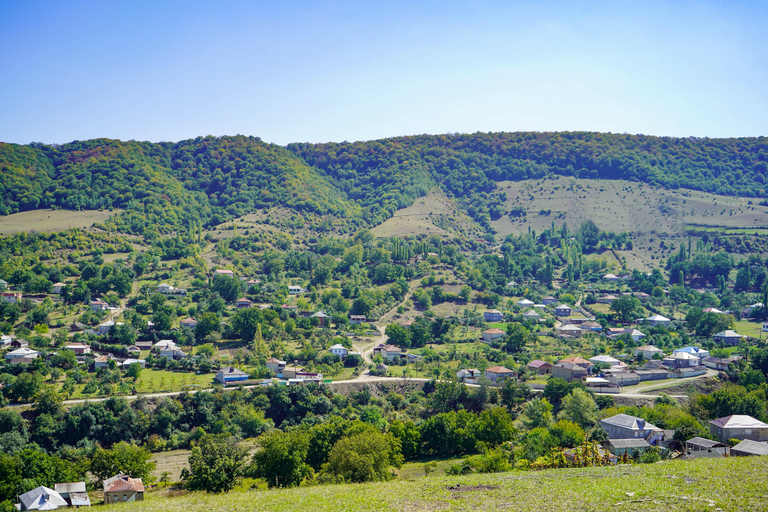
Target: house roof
[691, 350]
[683, 356]
[499, 369]
[496, 311]
[522, 302]
[121, 482]
[338, 346]
[750, 447]
[649, 348]
[537, 363]
[319, 314]
[188, 320]
[703, 443]
[657, 318]
[738, 421]
[729, 334]
[569, 327]
[604, 359]
[531, 313]
[70, 487]
[576, 360]
[628, 443]
[274, 360]
[493, 331]
[563, 306]
[22, 352]
[231, 370]
[42, 498]
[570, 366]
[629, 422]
[716, 360]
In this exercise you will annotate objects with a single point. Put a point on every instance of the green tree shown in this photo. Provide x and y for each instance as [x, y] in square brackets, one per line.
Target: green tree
[624, 307]
[228, 288]
[134, 371]
[579, 408]
[216, 464]
[538, 413]
[134, 461]
[517, 337]
[208, 323]
[363, 457]
[26, 386]
[398, 335]
[281, 458]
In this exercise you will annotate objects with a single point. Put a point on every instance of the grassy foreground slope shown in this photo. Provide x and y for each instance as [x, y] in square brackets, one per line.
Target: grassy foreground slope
[726, 484]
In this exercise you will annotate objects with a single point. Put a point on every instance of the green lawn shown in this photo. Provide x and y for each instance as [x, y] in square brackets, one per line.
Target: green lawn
[732, 484]
[161, 381]
[753, 329]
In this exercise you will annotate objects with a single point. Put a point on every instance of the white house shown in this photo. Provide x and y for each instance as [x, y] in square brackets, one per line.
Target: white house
[493, 334]
[493, 315]
[167, 289]
[98, 305]
[21, 353]
[635, 334]
[57, 288]
[532, 316]
[189, 323]
[295, 290]
[658, 320]
[11, 297]
[525, 303]
[694, 351]
[563, 310]
[339, 350]
[231, 374]
[648, 351]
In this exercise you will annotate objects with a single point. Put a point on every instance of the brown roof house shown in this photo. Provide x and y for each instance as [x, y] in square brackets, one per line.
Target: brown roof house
[493, 334]
[498, 374]
[540, 367]
[568, 371]
[738, 426]
[121, 488]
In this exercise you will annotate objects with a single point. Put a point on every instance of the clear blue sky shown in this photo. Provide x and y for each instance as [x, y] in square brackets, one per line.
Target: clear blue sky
[294, 71]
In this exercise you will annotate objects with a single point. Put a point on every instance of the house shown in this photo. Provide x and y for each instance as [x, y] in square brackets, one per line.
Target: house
[163, 344]
[230, 374]
[77, 327]
[524, 303]
[747, 311]
[714, 310]
[389, 352]
[5, 340]
[21, 355]
[251, 283]
[549, 300]
[469, 376]
[189, 323]
[681, 360]
[738, 426]
[579, 361]
[41, 498]
[128, 362]
[540, 367]
[748, 448]
[695, 351]
[12, 297]
[19, 343]
[728, 337]
[592, 326]
[101, 362]
[611, 361]
[74, 493]
[644, 297]
[143, 345]
[568, 371]
[339, 350]
[716, 363]
[569, 330]
[563, 310]
[167, 289]
[295, 290]
[498, 374]
[630, 447]
[357, 319]
[532, 316]
[493, 334]
[173, 352]
[121, 488]
[493, 315]
[634, 334]
[276, 365]
[321, 318]
[79, 349]
[223, 272]
[104, 328]
[610, 277]
[57, 288]
[624, 426]
[98, 305]
[658, 320]
[698, 444]
[648, 351]
[607, 299]
[243, 303]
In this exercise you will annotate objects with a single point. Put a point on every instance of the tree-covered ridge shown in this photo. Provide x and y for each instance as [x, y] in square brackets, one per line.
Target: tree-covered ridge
[207, 180]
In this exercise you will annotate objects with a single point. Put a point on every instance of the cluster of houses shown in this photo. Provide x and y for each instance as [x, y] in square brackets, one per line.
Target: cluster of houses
[494, 374]
[630, 434]
[117, 489]
[607, 372]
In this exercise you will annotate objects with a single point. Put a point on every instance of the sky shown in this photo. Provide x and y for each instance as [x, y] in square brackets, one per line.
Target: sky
[300, 71]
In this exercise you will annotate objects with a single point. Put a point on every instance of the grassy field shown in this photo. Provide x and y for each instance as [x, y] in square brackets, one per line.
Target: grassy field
[434, 213]
[747, 328]
[51, 220]
[732, 484]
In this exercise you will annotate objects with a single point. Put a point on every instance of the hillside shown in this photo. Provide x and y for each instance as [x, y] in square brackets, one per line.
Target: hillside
[205, 181]
[726, 484]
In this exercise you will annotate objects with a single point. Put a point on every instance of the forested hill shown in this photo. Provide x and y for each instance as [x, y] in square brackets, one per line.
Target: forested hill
[208, 180]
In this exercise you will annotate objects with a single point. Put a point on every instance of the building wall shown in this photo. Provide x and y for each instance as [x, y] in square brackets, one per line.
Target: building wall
[121, 497]
[724, 434]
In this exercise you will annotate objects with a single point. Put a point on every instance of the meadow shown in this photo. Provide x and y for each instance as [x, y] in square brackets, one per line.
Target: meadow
[732, 484]
[51, 220]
